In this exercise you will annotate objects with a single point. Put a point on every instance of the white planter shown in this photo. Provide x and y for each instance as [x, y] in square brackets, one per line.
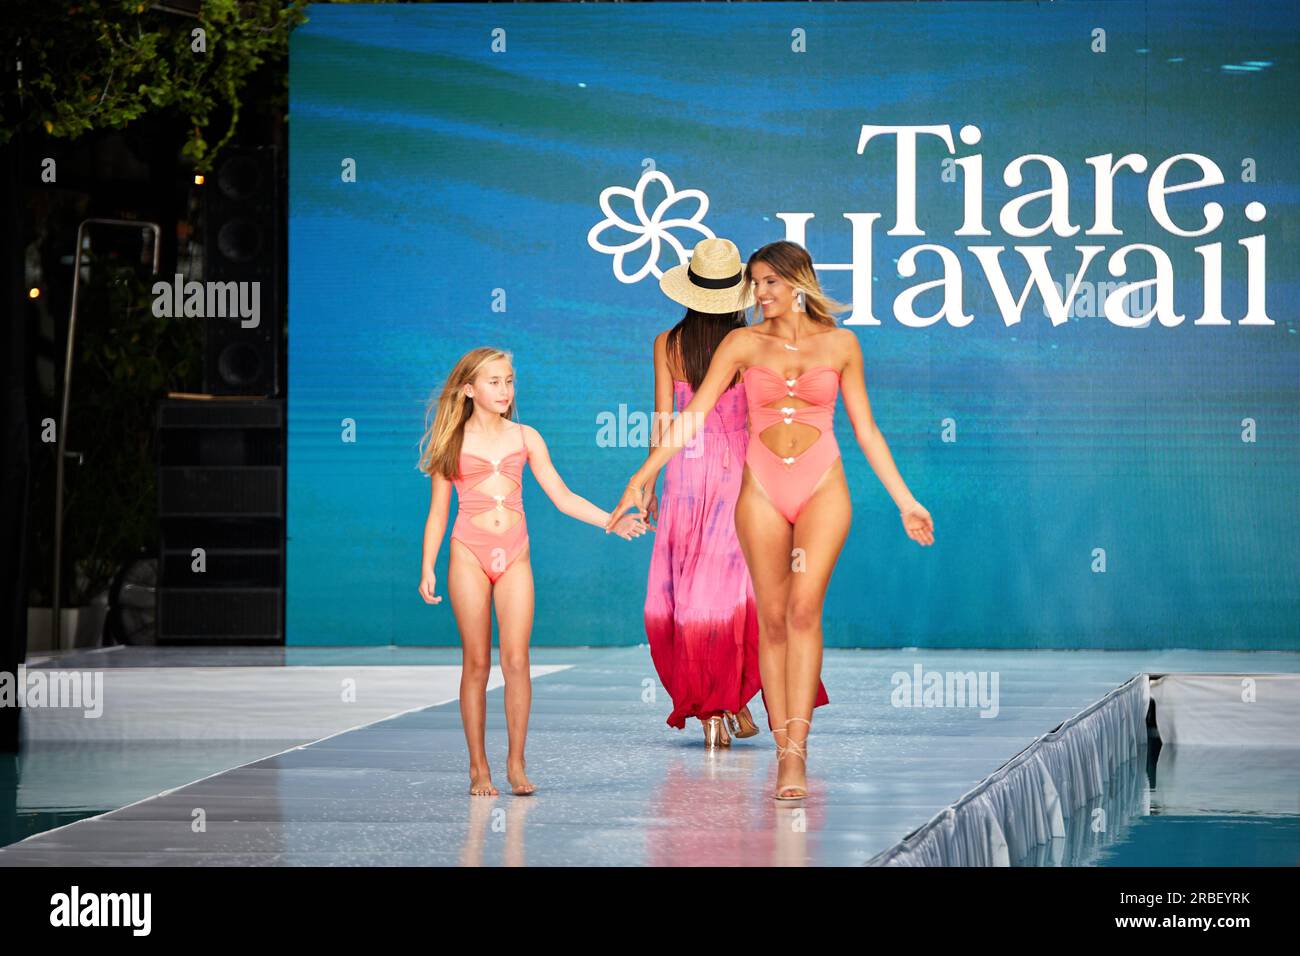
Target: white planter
[82, 627]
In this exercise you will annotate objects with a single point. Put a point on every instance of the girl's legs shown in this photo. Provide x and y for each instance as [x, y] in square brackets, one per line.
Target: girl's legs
[471, 594]
[819, 535]
[513, 596]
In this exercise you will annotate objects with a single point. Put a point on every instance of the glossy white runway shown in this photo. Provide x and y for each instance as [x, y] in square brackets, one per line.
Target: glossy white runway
[387, 783]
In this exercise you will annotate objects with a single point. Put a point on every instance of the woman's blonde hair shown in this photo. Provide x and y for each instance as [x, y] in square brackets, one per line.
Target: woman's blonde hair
[791, 262]
[451, 407]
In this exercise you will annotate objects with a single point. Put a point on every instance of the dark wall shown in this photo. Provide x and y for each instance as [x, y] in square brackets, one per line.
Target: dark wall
[14, 478]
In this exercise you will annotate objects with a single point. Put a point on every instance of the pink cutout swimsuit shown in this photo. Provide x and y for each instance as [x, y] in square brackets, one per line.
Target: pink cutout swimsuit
[789, 481]
[495, 551]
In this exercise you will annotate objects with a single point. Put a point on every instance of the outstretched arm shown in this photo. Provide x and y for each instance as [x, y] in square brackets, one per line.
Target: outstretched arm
[663, 404]
[730, 354]
[569, 503]
[853, 387]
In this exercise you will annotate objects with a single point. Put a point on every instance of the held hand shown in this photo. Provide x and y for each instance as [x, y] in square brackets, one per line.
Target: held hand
[918, 524]
[630, 526]
[428, 584]
[650, 509]
[631, 499]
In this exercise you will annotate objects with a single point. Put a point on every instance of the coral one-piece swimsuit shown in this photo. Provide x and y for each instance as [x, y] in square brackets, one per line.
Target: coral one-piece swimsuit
[496, 550]
[789, 481]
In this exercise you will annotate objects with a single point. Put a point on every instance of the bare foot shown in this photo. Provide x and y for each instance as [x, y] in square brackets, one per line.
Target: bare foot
[480, 785]
[519, 782]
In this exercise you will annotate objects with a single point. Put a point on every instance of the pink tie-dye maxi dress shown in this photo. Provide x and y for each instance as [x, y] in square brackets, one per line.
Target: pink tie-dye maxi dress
[700, 616]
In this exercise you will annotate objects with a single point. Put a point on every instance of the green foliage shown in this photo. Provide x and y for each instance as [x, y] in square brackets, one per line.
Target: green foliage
[99, 64]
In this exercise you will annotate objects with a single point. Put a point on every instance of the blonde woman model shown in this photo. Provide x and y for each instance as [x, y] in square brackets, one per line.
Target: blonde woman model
[794, 511]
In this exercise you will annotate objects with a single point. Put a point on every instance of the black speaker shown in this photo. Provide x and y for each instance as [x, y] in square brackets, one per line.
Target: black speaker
[243, 243]
[221, 467]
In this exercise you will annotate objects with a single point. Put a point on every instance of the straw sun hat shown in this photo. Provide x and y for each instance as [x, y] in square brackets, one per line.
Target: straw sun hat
[713, 280]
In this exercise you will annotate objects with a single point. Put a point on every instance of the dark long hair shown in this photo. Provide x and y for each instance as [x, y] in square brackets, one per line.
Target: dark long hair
[696, 337]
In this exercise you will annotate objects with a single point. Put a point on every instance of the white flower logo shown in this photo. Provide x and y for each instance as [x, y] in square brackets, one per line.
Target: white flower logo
[652, 229]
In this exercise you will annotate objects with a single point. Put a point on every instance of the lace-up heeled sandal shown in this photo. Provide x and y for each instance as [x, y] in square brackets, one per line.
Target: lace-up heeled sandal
[792, 792]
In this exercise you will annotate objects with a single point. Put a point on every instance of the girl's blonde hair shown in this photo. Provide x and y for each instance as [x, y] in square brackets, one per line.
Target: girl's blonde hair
[451, 407]
[791, 262]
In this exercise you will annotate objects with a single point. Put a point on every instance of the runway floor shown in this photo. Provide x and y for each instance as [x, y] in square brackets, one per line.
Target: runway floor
[356, 756]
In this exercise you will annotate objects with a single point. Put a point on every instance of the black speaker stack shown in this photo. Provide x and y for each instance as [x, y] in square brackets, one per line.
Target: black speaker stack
[244, 243]
[222, 455]
[221, 522]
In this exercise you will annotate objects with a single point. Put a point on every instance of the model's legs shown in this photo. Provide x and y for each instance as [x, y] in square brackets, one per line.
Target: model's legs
[471, 593]
[765, 539]
[513, 596]
[819, 535]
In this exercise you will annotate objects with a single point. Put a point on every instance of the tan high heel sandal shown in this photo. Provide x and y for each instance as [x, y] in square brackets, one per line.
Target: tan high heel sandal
[741, 723]
[799, 751]
[715, 734]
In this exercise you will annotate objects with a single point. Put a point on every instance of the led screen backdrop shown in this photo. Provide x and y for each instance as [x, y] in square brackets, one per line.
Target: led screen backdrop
[1119, 473]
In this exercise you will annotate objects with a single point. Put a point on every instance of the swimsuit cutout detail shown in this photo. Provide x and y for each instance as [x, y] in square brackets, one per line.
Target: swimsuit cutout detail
[495, 551]
[789, 481]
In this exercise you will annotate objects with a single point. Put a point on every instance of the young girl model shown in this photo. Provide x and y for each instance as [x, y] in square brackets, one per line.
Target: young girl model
[474, 444]
[793, 512]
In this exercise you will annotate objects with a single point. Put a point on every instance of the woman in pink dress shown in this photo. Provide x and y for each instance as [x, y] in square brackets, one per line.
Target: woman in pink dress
[700, 616]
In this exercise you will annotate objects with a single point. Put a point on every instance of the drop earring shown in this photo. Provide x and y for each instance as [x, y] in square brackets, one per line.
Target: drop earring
[799, 300]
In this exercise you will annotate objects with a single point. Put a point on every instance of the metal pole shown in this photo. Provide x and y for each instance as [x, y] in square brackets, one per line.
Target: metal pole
[61, 438]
